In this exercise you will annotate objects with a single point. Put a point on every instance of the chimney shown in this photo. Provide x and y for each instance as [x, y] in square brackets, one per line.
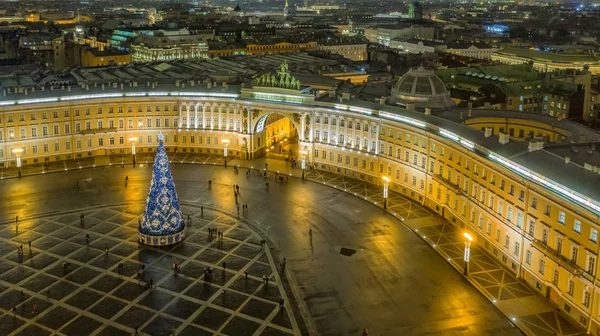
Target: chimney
[535, 145]
[410, 106]
[68, 88]
[177, 83]
[567, 159]
[487, 105]
[488, 132]
[428, 111]
[470, 109]
[503, 138]
[346, 95]
[382, 100]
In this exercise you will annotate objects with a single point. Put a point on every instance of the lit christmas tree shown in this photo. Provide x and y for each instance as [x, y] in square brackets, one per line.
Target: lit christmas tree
[162, 216]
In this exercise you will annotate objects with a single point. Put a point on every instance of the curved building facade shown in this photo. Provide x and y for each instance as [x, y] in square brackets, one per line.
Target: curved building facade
[534, 212]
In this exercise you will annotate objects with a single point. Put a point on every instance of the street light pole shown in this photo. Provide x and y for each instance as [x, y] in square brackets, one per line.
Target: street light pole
[386, 181]
[303, 153]
[133, 140]
[17, 152]
[467, 255]
[226, 142]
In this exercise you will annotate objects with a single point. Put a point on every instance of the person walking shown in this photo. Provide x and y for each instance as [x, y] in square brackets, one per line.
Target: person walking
[310, 233]
[34, 311]
[365, 332]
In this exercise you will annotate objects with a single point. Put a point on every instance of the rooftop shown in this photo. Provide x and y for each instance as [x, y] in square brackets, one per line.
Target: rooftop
[551, 56]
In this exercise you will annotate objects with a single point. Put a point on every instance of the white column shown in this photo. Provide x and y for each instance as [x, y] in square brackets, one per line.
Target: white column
[187, 120]
[330, 119]
[203, 115]
[302, 126]
[377, 139]
[235, 116]
[362, 135]
[196, 116]
[249, 121]
[180, 116]
[322, 119]
[369, 137]
[312, 127]
[212, 107]
[220, 116]
[337, 130]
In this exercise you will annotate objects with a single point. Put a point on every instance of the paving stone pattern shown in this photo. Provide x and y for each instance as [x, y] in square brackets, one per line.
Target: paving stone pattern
[94, 297]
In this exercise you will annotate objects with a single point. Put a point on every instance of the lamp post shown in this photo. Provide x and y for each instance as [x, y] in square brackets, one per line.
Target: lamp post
[468, 241]
[226, 142]
[303, 153]
[133, 140]
[386, 181]
[17, 152]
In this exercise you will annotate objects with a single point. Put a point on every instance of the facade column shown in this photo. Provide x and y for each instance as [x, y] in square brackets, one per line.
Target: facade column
[180, 116]
[220, 116]
[302, 126]
[212, 119]
[195, 116]
[369, 149]
[362, 135]
[312, 127]
[377, 139]
[322, 119]
[249, 121]
[203, 115]
[187, 120]
[330, 119]
[337, 129]
[235, 116]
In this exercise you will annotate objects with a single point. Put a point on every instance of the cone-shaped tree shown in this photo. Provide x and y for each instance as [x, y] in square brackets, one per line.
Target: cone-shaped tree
[162, 215]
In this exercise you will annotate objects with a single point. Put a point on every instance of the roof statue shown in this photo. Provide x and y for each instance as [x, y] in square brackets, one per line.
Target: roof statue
[282, 79]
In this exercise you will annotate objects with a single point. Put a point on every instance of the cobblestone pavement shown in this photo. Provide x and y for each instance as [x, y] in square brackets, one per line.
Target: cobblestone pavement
[361, 268]
[93, 296]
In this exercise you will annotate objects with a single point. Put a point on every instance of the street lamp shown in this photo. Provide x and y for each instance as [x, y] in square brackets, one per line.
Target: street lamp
[303, 153]
[133, 140]
[386, 181]
[17, 152]
[468, 241]
[226, 142]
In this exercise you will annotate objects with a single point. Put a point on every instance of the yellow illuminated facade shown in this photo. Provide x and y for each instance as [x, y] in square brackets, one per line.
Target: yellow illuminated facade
[544, 235]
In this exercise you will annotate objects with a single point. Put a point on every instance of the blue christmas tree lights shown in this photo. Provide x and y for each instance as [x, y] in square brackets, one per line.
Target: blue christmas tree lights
[162, 216]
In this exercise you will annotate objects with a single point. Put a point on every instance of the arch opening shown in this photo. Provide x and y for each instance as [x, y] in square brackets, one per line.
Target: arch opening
[276, 136]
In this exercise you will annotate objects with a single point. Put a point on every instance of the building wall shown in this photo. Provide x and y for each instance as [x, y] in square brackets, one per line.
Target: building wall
[88, 59]
[545, 66]
[549, 241]
[355, 52]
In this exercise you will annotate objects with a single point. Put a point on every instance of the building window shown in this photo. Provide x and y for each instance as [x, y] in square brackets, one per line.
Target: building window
[577, 226]
[591, 264]
[528, 258]
[561, 217]
[555, 277]
[506, 241]
[594, 235]
[574, 253]
[570, 287]
[517, 247]
[534, 203]
[542, 266]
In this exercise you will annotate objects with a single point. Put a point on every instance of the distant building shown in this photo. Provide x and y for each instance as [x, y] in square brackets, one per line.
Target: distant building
[265, 48]
[548, 61]
[47, 50]
[415, 11]
[352, 51]
[384, 35]
[474, 50]
[416, 46]
[167, 47]
[93, 57]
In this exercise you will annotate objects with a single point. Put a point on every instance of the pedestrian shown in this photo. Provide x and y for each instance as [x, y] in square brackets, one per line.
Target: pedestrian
[139, 222]
[209, 183]
[267, 281]
[281, 303]
[17, 220]
[224, 265]
[201, 211]
[143, 267]
[21, 248]
[48, 294]
[77, 183]
[310, 233]
[106, 249]
[189, 218]
[264, 278]
[238, 210]
[135, 330]
[237, 187]
[284, 261]
[139, 277]
[246, 274]
[30, 244]
[365, 332]
[87, 239]
[14, 310]
[34, 308]
[81, 219]
[267, 184]
[151, 282]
